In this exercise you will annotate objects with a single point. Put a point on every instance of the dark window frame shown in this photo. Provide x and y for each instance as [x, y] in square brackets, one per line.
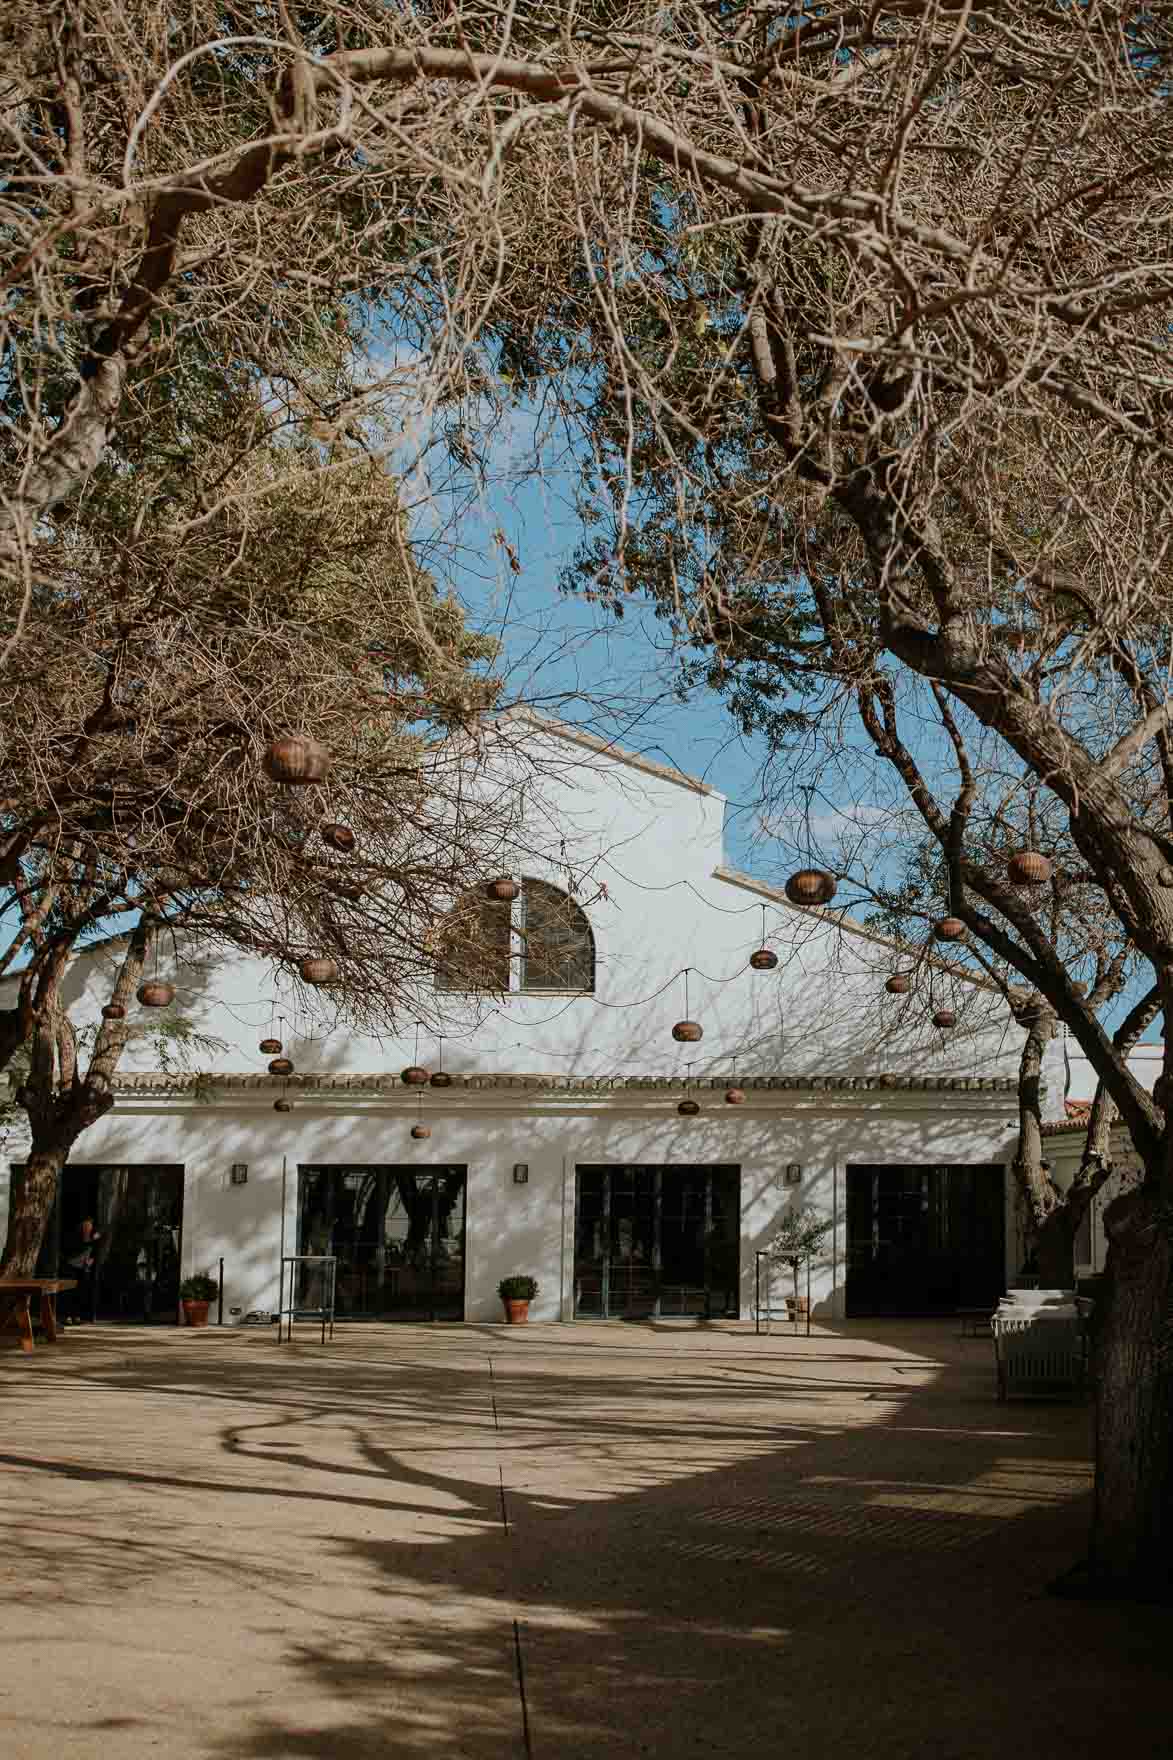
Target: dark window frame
[506, 956]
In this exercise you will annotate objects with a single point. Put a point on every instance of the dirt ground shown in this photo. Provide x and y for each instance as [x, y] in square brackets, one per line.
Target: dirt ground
[556, 1541]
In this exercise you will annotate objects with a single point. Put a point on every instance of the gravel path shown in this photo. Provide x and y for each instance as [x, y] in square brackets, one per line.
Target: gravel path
[562, 1542]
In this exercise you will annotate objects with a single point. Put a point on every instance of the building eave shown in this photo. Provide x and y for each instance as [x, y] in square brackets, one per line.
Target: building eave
[606, 748]
[504, 1094]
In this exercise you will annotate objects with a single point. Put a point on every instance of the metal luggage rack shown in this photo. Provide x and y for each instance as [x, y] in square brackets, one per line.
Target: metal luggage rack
[295, 1310]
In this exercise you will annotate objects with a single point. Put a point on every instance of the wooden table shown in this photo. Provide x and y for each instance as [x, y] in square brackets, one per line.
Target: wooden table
[24, 1289]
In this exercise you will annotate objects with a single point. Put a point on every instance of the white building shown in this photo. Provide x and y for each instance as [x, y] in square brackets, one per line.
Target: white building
[558, 1149]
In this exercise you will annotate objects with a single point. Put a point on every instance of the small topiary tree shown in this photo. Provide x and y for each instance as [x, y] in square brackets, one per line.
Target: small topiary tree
[797, 1239]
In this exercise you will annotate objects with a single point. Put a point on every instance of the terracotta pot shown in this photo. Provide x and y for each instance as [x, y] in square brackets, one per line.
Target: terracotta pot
[517, 1313]
[196, 1313]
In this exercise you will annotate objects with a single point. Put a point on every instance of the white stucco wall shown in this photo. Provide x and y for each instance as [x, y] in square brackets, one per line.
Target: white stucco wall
[655, 845]
[529, 1228]
[1145, 1062]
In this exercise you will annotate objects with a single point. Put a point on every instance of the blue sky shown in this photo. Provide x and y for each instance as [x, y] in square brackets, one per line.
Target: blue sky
[565, 656]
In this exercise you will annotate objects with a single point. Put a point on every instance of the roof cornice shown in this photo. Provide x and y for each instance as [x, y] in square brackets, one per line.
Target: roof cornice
[606, 748]
[384, 1086]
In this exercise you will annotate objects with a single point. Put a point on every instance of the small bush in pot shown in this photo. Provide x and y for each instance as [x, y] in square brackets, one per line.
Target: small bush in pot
[797, 1240]
[197, 1295]
[517, 1292]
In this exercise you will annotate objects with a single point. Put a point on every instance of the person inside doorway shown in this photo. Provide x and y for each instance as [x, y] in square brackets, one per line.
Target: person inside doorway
[80, 1262]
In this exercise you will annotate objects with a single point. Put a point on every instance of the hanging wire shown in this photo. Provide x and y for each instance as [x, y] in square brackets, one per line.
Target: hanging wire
[808, 791]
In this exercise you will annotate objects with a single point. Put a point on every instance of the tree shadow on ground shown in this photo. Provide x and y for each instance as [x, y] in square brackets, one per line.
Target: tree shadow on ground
[621, 1553]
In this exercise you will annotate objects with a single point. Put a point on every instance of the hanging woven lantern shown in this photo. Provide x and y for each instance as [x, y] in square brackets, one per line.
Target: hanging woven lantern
[898, 984]
[270, 1047]
[415, 1076]
[155, 994]
[441, 1079]
[504, 890]
[420, 1131]
[113, 1011]
[735, 1096]
[319, 971]
[949, 929]
[688, 1108]
[339, 837]
[688, 1032]
[281, 1066]
[283, 1106]
[1028, 868]
[764, 960]
[296, 760]
[944, 1017]
[811, 886]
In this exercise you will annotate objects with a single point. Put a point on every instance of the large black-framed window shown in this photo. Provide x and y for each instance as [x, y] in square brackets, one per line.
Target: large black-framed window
[137, 1210]
[398, 1234]
[656, 1240]
[925, 1239]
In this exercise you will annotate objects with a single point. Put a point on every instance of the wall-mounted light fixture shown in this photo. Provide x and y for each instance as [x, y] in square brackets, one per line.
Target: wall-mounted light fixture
[793, 1174]
[239, 1173]
[521, 1173]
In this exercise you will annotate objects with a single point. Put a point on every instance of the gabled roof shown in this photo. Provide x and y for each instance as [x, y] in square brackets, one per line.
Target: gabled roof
[606, 748]
[837, 920]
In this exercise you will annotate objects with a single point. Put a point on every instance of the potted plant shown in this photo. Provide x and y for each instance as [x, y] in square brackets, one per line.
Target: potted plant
[797, 1239]
[517, 1293]
[197, 1294]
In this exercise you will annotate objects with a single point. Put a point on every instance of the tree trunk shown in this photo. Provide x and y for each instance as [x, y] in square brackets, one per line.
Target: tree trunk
[33, 1194]
[1054, 1243]
[63, 1105]
[1131, 1550]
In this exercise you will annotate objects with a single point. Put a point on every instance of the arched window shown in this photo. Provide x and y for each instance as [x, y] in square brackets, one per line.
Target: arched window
[541, 942]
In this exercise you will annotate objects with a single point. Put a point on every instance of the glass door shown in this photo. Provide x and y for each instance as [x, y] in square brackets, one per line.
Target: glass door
[656, 1240]
[924, 1240]
[138, 1214]
[398, 1236]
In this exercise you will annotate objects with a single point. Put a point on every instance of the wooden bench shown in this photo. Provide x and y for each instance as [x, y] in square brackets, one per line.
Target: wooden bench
[20, 1292]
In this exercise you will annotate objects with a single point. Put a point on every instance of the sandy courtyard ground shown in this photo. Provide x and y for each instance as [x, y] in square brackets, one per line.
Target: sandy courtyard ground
[558, 1541]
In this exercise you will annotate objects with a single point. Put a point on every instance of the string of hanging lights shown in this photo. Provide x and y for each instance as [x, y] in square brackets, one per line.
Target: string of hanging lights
[688, 1107]
[687, 1031]
[807, 888]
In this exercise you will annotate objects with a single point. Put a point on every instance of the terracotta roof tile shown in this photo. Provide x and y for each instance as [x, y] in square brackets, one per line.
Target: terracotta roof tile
[158, 1082]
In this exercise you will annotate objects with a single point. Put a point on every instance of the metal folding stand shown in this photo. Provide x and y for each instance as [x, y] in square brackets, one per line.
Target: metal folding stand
[325, 1312]
[757, 1295]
